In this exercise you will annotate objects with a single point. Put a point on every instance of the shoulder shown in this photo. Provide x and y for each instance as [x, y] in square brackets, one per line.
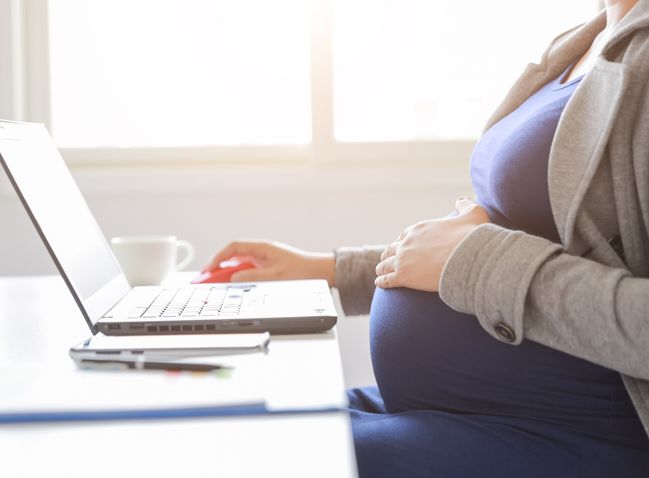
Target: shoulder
[567, 45]
[557, 41]
[633, 50]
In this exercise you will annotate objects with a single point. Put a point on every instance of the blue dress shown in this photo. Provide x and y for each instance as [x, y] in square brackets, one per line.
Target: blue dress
[454, 402]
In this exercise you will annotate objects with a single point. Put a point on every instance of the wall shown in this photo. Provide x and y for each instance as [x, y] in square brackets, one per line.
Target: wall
[316, 208]
[313, 209]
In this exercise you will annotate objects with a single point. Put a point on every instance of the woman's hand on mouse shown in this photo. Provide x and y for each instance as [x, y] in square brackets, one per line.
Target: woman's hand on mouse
[276, 261]
[418, 256]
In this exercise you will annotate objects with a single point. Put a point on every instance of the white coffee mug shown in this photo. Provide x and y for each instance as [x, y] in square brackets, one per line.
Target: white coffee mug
[147, 260]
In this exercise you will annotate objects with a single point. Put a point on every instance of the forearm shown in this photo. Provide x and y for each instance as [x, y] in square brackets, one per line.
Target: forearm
[606, 324]
[324, 266]
[541, 293]
[354, 277]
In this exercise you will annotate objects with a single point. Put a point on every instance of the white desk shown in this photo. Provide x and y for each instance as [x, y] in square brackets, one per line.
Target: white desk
[307, 367]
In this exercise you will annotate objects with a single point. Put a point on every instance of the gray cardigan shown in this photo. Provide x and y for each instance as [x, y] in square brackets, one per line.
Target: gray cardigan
[589, 295]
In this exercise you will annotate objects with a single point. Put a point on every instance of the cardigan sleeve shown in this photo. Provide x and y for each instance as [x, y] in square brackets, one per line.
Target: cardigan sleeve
[354, 276]
[523, 286]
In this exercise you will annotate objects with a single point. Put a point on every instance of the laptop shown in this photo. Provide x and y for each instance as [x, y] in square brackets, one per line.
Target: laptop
[94, 278]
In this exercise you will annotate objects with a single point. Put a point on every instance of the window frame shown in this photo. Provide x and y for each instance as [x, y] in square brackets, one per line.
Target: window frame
[31, 61]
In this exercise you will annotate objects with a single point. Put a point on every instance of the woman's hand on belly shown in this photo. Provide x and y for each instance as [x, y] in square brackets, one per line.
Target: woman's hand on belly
[418, 256]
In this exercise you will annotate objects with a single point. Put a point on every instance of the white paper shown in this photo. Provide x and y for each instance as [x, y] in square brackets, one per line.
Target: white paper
[28, 389]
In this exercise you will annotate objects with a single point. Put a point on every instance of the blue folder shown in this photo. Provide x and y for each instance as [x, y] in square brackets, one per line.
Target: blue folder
[156, 414]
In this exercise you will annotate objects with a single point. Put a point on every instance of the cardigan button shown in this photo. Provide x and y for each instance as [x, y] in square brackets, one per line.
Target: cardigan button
[505, 332]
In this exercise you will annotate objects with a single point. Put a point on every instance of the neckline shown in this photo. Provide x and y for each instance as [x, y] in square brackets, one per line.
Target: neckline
[559, 80]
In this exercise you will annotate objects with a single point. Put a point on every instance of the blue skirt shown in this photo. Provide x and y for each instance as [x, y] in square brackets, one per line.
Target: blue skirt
[454, 402]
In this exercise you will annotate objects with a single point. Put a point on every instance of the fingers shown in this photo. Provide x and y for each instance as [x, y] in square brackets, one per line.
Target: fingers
[463, 204]
[386, 274]
[384, 254]
[239, 248]
[389, 251]
[472, 211]
[386, 281]
[386, 266]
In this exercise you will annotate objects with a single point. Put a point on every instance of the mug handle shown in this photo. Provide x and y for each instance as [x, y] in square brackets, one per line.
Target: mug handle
[189, 254]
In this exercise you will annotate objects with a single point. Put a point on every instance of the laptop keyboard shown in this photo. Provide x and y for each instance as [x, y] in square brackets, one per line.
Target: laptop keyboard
[190, 302]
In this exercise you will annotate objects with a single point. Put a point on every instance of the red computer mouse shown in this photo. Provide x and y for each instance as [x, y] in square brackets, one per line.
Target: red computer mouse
[225, 270]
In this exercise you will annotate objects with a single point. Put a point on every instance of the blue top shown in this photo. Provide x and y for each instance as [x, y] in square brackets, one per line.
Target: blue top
[509, 165]
[426, 356]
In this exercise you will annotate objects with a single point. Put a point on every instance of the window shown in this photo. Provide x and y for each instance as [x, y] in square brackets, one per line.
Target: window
[421, 69]
[389, 79]
[179, 72]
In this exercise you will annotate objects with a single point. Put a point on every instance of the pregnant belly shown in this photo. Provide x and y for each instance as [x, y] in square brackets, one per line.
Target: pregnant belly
[426, 355]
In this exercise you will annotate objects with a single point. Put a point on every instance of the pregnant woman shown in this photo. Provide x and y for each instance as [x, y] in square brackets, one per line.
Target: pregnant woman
[512, 337]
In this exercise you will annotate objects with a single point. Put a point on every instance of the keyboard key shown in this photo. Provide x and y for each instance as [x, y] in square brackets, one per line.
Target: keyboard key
[209, 313]
[195, 305]
[230, 306]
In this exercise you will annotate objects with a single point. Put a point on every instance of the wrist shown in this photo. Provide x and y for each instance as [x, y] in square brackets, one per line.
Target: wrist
[326, 267]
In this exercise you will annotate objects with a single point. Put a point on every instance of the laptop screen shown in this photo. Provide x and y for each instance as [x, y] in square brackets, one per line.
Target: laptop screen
[62, 217]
